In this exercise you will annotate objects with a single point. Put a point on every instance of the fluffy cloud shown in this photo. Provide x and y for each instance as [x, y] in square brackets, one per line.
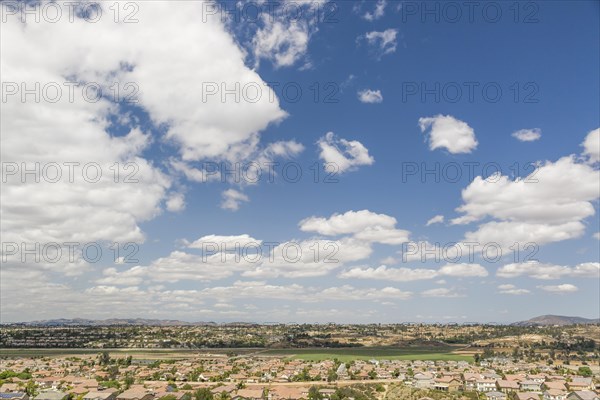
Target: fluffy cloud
[309, 258]
[383, 42]
[227, 243]
[158, 68]
[232, 199]
[389, 274]
[255, 166]
[377, 13]
[512, 289]
[283, 38]
[370, 96]
[560, 289]
[438, 219]
[224, 260]
[441, 292]
[283, 44]
[591, 146]
[377, 234]
[409, 274]
[252, 258]
[528, 135]
[449, 133]
[537, 270]
[131, 277]
[463, 270]
[176, 202]
[547, 206]
[347, 155]
[363, 223]
[347, 292]
[179, 266]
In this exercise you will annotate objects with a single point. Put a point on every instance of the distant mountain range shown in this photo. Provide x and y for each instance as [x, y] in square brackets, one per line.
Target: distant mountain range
[544, 320]
[113, 321]
[548, 320]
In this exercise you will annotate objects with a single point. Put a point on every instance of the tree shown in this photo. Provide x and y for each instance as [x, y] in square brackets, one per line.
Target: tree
[30, 389]
[224, 396]
[128, 381]
[313, 393]
[331, 375]
[584, 371]
[104, 358]
[203, 394]
[113, 372]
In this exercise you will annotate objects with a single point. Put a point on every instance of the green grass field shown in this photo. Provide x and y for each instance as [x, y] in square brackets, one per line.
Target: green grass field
[368, 353]
[310, 354]
[136, 353]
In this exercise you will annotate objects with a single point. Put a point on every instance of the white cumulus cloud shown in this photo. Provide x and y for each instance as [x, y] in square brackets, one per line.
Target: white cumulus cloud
[560, 289]
[377, 13]
[549, 205]
[528, 135]
[447, 132]
[438, 219]
[232, 199]
[384, 42]
[370, 96]
[347, 155]
[512, 289]
[591, 146]
[538, 270]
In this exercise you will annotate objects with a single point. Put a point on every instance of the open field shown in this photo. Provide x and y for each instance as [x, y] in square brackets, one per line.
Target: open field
[343, 354]
[368, 353]
[137, 353]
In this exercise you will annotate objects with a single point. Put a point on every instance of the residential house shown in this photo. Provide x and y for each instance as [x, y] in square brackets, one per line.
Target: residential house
[530, 386]
[485, 385]
[51, 395]
[137, 393]
[102, 395]
[555, 394]
[286, 393]
[583, 395]
[556, 385]
[423, 380]
[447, 384]
[495, 396]
[249, 394]
[14, 396]
[507, 386]
[580, 383]
[9, 387]
[471, 380]
[527, 396]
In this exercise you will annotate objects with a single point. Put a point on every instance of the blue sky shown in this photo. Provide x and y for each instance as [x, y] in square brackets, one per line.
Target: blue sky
[378, 67]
